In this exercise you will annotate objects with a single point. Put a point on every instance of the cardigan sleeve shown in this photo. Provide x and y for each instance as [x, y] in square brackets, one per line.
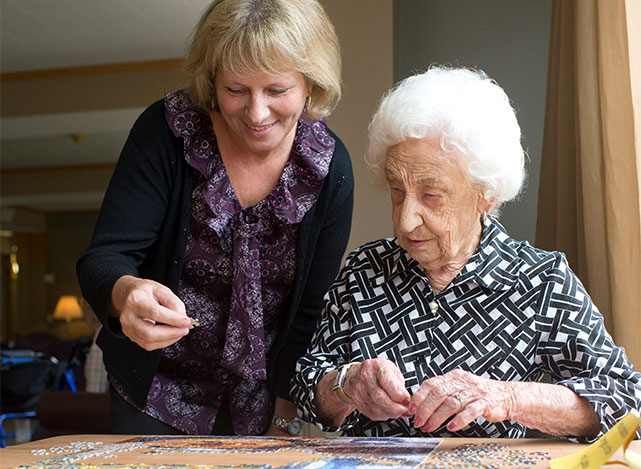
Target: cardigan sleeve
[580, 354]
[332, 227]
[132, 212]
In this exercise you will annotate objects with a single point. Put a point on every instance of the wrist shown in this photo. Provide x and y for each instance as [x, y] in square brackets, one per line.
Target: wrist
[292, 426]
[510, 400]
[119, 292]
[340, 381]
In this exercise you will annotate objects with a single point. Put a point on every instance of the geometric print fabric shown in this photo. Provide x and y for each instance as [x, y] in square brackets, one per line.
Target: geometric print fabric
[514, 313]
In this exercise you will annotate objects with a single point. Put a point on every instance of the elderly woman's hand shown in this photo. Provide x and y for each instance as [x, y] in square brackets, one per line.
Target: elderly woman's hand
[464, 394]
[377, 388]
[150, 314]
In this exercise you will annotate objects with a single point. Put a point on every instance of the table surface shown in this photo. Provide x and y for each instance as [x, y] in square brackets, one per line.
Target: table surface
[102, 451]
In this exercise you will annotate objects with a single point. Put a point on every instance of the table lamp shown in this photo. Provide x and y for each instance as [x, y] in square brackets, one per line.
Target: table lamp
[68, 308]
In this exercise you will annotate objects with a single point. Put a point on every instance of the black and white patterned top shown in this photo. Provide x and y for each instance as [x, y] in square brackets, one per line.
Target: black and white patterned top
[514, 313]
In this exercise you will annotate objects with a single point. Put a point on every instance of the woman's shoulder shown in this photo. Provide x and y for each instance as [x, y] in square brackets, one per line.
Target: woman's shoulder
[151, 143]
[340, 147]
[521, 252]
[154, 113]
[533, 262]
[550, 273]
[518, 258]
[532, 271]
[152, 124]
[341, 166]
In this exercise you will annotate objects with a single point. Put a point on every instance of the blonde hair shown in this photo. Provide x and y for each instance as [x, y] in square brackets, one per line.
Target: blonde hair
[469, 114]
[265, 36]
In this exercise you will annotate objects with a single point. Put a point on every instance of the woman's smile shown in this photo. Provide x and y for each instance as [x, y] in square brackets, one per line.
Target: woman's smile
[259, 112]
[260, 129]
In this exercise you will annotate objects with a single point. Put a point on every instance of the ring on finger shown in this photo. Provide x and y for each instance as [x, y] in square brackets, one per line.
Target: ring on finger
[457, 396]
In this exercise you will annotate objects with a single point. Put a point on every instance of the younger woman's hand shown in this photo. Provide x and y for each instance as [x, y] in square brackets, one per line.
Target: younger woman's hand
[150, 314]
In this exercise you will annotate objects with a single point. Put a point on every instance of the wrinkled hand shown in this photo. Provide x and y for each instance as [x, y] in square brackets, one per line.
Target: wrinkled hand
[377, 388]
[464, 394]
[151, 315]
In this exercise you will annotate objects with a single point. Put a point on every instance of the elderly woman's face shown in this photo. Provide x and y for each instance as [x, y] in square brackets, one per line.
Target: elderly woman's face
[261, 111]
[435, 206]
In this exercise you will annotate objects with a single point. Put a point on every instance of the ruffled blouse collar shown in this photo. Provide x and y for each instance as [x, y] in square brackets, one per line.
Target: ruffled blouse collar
[299, 184]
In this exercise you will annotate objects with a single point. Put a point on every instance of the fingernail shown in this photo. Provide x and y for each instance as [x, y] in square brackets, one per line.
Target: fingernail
[451, 426]
[413, 408]
[406, 401]
[407, 414]
[418, 422]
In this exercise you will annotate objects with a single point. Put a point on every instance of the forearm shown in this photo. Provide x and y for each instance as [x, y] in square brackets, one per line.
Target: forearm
[331, 411]
[553, 409]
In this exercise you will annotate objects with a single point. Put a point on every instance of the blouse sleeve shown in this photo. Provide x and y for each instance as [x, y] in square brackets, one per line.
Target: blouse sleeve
[580, 354]
[330, 229]
[329, 349]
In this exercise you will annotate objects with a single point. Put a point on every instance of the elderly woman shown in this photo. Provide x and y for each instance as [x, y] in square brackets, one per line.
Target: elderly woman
[229, 210]
[448, 329]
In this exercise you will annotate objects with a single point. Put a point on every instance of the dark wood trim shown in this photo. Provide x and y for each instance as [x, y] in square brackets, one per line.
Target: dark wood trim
[92, 70]
[58, 168]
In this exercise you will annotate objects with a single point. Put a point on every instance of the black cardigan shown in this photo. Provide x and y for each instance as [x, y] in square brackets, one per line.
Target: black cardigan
[142, 230]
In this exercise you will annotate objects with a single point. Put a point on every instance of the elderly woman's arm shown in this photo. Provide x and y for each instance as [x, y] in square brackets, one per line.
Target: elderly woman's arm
[329, 349]
[376, 387]
[594, 383]
[550, 408]
[579, 354]
[553, 409]
[331, 411]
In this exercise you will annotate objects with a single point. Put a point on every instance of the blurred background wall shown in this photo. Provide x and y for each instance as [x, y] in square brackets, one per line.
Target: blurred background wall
[55, 159]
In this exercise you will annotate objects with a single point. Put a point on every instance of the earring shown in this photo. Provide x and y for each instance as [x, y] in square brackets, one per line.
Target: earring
[308, 103]
[484, 216]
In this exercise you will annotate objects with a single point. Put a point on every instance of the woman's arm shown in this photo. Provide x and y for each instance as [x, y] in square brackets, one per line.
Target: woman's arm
[325, 246]
[285, 409]
[550, 408]
[133, 211]
[376, 387]
[329, 349]
[578, 352]
[553, 409]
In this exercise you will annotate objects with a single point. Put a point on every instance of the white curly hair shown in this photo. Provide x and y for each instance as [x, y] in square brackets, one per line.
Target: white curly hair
[471, 116]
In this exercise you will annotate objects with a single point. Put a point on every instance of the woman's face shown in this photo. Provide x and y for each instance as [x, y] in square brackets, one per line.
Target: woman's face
[435, 205]
[260, 111]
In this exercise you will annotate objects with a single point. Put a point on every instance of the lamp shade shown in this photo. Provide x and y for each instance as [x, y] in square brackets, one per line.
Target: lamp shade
[67, 308]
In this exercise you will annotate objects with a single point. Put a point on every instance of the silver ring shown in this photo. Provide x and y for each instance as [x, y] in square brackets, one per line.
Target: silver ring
[457, 396]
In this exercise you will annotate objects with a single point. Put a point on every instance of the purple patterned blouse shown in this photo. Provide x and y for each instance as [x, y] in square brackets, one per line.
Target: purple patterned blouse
[237, 271]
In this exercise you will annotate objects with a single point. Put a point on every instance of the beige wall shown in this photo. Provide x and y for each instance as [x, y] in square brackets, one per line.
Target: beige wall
[366, 35]
[365, 30]
[88, 89]
[508, 40]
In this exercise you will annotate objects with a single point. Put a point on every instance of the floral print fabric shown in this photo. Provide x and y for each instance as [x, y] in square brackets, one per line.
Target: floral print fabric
[238, 268]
